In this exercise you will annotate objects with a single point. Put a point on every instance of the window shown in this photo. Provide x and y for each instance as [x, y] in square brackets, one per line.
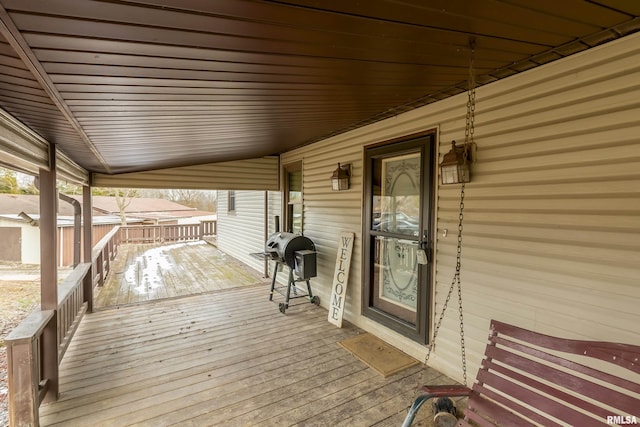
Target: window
[293, 195]
[231, 201]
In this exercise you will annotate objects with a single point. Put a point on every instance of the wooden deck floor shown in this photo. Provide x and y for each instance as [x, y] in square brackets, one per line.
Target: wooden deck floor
[146, 272]
[226, 358]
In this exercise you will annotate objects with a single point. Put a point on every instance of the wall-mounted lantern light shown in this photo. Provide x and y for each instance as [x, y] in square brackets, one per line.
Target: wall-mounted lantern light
[454, 168]
[340, 177]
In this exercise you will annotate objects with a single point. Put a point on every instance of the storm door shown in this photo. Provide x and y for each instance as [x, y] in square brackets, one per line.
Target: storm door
[398, 235]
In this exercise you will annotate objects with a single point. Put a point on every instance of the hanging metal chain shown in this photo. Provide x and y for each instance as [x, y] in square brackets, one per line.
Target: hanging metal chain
[454, 281]
[456, 278]
[471, 103]
[468, 145]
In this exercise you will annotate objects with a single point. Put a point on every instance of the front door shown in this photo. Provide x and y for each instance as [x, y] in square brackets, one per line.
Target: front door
[398, 234]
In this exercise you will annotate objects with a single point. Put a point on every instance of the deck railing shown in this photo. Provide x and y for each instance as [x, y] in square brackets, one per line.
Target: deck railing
[71, 306]
[103, 253]
[208, 228]
[167, 233]
[27, 351]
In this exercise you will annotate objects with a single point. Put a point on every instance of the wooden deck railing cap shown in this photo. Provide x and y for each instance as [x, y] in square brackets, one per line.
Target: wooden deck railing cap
[31, 327]
[70, 282]
[103, 242]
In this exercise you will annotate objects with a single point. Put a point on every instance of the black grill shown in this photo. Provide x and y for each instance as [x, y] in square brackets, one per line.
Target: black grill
[299, 254]
[283, 247]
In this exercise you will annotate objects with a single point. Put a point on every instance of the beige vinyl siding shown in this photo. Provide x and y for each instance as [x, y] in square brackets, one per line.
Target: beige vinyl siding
[20, 147]
[67, 170]
[552, 215]
[251, 174]
[275, 210]
[242, 232]
[23, 150]
[275, 213]
[327, 213]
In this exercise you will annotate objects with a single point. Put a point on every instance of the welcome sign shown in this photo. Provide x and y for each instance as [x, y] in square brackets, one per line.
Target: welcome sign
[341, 278]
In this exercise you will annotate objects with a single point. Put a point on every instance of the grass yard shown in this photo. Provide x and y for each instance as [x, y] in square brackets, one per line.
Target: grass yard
[17, 299]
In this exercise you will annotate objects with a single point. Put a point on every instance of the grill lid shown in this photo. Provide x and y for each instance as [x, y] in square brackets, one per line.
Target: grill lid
[283, 245]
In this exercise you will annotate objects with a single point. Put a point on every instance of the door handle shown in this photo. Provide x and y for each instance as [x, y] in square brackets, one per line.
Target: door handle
[424, 251]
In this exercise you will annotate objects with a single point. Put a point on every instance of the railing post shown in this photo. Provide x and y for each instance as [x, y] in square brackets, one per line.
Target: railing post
[24, 358]
[23, 378]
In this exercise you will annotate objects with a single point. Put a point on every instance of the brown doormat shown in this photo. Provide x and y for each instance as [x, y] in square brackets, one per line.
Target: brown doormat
[377, 354]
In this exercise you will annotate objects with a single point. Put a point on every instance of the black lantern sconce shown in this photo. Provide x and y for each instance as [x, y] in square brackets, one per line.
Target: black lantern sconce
[340, 177]
[454, 168]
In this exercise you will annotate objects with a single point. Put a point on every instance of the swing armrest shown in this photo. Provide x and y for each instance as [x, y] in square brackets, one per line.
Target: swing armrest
[431, 391]
[445, 390]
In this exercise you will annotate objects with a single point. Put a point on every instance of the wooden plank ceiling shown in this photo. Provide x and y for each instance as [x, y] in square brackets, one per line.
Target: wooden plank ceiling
[125, 86]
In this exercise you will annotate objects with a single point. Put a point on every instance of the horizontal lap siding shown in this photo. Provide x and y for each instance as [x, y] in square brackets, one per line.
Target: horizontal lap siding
[20, 147]
[250, 174]
[327, 213]
[67, 170]
[275, 210]
[24, 150]
[242, 233]
[552, 215]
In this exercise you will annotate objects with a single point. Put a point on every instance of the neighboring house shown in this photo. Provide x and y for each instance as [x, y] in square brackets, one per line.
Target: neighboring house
[19, 221]
[21, 239]
[19, 228]
[21, 236]
[151, 210]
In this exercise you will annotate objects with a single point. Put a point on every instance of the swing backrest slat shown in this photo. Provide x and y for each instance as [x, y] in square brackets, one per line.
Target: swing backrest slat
[528, 378]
